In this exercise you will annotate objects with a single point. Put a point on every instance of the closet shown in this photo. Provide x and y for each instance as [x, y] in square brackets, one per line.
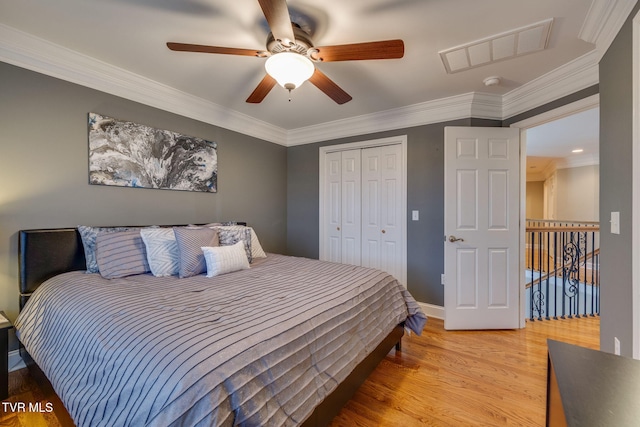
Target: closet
[363, 206]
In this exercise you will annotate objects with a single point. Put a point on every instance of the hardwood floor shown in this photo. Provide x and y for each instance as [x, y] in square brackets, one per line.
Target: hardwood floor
[470, 378]
[442, 378]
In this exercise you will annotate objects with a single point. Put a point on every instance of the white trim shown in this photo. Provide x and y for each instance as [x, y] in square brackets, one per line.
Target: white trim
[431, 310]
[15, 361]
[579, 106]
[400, 140]
[604, 20]
[480, 105]
[635, 193]
[523, 226]
[551, 115]
[567, 79]
[578, 161]
[36, 54]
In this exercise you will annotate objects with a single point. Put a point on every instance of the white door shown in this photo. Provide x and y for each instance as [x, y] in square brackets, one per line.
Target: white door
[342, 206]
[363, 204]
[351, 196]
[332, 208]
[482, 212]
[381, 209]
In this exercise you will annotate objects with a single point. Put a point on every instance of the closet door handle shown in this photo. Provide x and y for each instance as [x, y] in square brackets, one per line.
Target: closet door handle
[338, 228]
[383, 231]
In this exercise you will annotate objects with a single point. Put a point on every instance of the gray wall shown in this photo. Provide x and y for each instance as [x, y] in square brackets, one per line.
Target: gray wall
[616, 120]
[425, 193]
[44, 171]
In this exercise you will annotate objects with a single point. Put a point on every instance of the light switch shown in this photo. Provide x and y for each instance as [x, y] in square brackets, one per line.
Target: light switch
[615, 222]
[415, 215]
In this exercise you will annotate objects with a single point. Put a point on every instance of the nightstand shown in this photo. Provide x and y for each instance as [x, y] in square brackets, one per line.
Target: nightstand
[5, 325]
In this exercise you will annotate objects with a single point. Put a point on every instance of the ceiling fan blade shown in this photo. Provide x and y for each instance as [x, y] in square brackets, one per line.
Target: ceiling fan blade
[262, 90]
[186, 47]
[386, 49]
[332, 90]
[277, 14]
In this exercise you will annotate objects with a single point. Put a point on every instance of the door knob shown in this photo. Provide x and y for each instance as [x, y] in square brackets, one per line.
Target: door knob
[454, 239]
[338, 228]
[383, 231]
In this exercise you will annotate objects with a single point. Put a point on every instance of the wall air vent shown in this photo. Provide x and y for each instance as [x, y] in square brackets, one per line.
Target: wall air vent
[518, 42]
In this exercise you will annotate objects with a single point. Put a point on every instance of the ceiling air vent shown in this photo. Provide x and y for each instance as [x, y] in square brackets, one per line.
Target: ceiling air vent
[518, 42]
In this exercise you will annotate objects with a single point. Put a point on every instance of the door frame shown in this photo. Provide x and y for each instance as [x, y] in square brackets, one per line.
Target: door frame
[548, 116]
[394, 140]
[635, 204]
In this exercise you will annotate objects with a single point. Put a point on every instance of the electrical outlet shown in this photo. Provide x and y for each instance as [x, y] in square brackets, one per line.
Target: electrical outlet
[616, 346]
[442, 279]
[415, 215]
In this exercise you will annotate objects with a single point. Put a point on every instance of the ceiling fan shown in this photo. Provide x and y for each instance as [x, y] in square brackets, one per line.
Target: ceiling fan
[291, 55]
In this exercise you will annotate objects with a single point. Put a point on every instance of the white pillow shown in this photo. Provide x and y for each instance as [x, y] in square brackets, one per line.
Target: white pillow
[225, 259]
[162, 251]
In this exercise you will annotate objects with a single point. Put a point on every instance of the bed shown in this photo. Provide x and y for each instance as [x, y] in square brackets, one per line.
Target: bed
[284, 342]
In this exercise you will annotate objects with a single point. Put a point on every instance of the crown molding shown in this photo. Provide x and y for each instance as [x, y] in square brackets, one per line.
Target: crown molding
[569, 78]
[603, 22]
[473, 104]
[36, 54]
[544, 174]
[578, 161]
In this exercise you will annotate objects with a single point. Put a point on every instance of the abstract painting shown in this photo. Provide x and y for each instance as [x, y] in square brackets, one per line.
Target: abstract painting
[128, 154]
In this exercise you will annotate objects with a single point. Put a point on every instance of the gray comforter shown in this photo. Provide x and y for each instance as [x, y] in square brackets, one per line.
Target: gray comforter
[256, 347]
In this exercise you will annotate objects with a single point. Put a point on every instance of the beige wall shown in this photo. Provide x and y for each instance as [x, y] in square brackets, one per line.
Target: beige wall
[535, 199]
[577, 192]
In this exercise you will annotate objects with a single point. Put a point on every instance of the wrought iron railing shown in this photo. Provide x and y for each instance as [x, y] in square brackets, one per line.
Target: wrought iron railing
[563, 274]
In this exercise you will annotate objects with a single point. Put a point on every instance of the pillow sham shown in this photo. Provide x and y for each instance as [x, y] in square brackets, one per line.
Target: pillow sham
[225, 259]
[232, 235]
[190, 241]
[88, 235]
[121, 254]
[256, 248]
[162, 251]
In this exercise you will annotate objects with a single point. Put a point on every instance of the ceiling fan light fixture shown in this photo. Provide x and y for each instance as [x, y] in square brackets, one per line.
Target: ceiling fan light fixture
[289, 69]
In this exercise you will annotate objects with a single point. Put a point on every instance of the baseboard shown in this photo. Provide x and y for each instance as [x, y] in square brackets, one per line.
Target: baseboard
[15, 361]
[431, 310]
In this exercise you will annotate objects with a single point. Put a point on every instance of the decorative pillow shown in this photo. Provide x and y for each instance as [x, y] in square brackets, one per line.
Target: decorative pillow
[121, 254]
[190, 241]
[162, 251]
[88, 235]
[231, 235]
[256, 247]
[225, 259]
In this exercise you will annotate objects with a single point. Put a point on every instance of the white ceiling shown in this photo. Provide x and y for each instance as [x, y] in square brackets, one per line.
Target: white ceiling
[122, 42]
[551, 145]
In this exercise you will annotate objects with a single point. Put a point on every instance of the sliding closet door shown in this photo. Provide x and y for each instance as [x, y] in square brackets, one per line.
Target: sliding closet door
[382, 233]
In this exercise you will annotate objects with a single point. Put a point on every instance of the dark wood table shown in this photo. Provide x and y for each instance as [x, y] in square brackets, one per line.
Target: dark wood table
[591, 388]
[5, 325]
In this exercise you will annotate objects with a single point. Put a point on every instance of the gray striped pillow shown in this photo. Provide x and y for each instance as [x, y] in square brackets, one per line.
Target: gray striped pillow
[120, 254]
[190, 241]
[89, 235]
[225, 259]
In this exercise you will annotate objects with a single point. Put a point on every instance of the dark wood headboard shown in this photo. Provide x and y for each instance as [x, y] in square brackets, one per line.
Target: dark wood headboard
[44, 253]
